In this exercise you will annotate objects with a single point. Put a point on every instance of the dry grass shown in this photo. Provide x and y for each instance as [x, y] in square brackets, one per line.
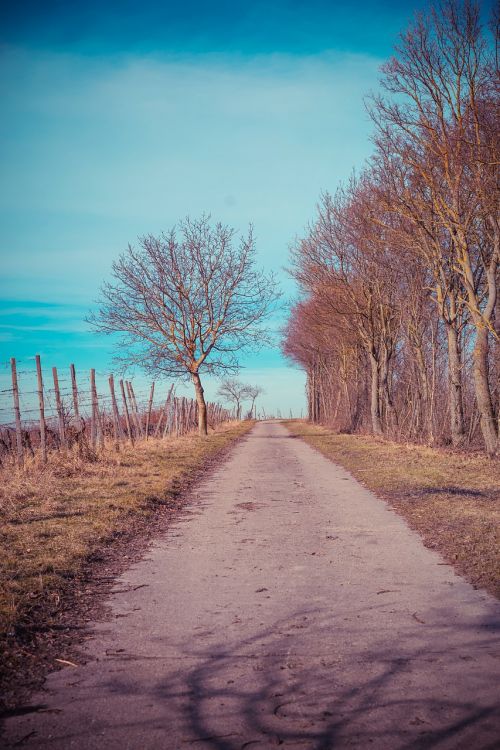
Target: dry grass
[54, 518]
[451, 499]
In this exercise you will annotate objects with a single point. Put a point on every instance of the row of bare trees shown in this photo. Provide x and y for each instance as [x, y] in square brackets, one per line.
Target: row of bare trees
[399, 319]
[235, 392]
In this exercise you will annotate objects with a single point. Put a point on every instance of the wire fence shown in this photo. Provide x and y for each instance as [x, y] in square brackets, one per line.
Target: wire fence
[42, 412]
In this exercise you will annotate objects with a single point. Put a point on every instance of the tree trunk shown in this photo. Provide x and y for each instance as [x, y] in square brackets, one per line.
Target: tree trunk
[385, 392]
[317, 396]
[456, 403]
[483, 393]
[252, 410]
[309, 396]
[313, 394]
[375, 398]
[202, 406]
[423, 378]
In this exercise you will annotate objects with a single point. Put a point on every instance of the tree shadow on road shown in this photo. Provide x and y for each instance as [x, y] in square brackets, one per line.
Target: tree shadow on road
[311, 682]
[269, 691]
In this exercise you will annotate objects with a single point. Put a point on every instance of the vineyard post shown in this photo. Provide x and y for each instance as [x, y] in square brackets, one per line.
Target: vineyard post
[130, 409]
[43, 447]
[170, 417]
[59, 407]
[17, 411]
[116, 413]
[101, 422]
[93, 418]
[176, 417]
[150, 406]
[74, 388]
[138, 416]
[159, 422]
[169, 426]
[164, 413]
[127, 416]
[137, 428]
[182, 416]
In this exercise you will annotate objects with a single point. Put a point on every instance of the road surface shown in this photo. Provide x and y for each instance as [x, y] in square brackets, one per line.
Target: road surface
[286, 607]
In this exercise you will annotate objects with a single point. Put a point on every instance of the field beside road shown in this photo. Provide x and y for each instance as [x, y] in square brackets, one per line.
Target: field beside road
[59, 521]
[452, 499]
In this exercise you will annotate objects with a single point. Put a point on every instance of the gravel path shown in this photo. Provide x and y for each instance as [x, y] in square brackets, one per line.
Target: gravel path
[286, 607]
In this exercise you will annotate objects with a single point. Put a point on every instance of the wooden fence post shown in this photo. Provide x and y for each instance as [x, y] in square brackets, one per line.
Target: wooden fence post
[93, 415]
[164, 413]
[170, 416]
[17, 411]
[74, 388]
[116, 414]
[176, 416]
[59, 407]
[181, 415]
[136, 410]
[43, 447]
[127, 417]
[132, 410]
[150, 406]
[100, 419]
[159, 422]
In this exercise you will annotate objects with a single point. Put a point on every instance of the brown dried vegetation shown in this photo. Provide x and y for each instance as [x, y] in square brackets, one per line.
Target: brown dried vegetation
[56, 518]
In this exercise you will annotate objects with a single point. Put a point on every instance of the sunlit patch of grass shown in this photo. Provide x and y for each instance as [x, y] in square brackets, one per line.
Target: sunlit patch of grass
[452, 499]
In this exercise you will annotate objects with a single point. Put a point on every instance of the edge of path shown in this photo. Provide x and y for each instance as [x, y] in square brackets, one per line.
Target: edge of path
[85, 599]
[454, 515]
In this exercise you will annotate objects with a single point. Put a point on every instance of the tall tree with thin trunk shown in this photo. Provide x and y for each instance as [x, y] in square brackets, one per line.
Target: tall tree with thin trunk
[253, 392]
[442, 116]
[187, 302]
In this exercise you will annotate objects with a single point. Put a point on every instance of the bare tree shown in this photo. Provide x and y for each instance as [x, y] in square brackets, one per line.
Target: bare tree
[253, 393]
[345, 264]
[442, 118]
[186, 302]
[234, 391]
[399, 315]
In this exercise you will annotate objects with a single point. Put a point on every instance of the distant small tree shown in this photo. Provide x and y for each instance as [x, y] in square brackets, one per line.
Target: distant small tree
[186, 302]
[235, 392]
[253, 392]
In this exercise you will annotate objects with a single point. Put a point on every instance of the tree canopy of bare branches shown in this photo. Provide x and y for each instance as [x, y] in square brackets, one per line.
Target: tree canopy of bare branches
[399, 271]
[236, 392]
[187, 302]
[253, 393]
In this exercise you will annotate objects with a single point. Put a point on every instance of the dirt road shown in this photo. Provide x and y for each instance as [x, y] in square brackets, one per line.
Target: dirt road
[286, 607]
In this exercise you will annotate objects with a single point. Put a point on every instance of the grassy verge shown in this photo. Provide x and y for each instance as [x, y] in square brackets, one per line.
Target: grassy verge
[451, 499]
[55, 519]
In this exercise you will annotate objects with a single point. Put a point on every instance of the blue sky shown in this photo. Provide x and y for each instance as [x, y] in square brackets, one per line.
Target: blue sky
[121, 118]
